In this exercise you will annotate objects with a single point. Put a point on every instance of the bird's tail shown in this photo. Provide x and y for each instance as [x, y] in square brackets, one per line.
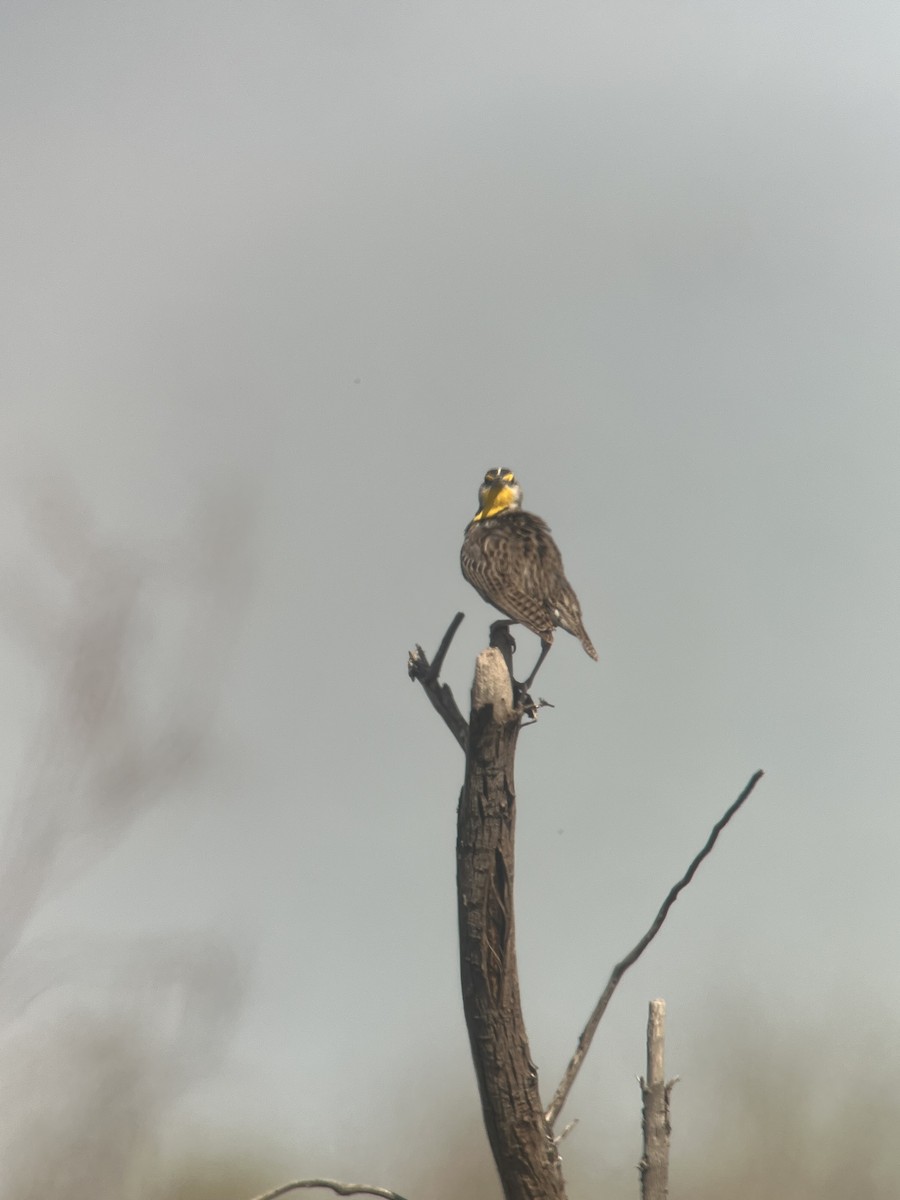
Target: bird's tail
[568, 617]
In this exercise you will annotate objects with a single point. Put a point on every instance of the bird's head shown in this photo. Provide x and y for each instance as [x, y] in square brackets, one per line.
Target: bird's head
[499, 493]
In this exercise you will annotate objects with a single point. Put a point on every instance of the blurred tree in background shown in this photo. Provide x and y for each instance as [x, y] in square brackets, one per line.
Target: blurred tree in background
[99, 1036]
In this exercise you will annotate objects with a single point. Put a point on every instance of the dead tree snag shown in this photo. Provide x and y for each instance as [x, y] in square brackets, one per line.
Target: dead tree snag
[521, 1140]
[520, 1133]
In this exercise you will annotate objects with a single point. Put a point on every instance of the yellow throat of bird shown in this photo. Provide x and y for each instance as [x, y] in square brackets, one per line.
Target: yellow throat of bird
[496, 499]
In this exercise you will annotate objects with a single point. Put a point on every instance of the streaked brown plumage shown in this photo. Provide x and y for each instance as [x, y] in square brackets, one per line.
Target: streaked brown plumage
[511, 560]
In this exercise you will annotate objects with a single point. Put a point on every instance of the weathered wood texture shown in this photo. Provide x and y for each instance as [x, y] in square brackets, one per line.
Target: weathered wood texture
[654, 1166]
[521, 1140]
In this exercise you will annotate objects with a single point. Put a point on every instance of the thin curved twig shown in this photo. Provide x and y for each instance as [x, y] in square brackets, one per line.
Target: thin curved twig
[587, 1035]
[440, 694]
[342, 1189]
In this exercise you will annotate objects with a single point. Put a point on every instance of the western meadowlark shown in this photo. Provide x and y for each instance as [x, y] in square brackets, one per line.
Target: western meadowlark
[511, 560]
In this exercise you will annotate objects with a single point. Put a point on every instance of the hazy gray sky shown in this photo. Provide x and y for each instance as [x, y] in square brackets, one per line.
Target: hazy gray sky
[335, 260]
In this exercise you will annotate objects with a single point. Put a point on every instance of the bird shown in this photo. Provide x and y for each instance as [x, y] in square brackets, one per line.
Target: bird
[513, 563]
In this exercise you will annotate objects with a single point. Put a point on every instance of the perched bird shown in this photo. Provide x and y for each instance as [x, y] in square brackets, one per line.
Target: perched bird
[511, 560]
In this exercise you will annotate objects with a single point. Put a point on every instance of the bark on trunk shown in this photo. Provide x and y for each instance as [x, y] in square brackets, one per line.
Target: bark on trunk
[521, 1140]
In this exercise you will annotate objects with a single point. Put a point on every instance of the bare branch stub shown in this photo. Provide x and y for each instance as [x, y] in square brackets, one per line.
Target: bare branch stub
[440, 694]
[522, 1143]
[587, 1034]
[654, 1164]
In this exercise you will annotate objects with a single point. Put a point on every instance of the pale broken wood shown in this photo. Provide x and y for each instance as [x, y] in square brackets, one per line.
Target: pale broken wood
[657, 1129]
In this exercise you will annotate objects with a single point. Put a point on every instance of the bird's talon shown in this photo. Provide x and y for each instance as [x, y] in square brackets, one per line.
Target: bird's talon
[524, 701]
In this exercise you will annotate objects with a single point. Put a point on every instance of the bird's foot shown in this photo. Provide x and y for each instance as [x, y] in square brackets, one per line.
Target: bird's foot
[526, 704]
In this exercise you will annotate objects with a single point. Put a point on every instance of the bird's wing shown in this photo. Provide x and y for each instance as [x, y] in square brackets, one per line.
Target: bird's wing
[507, 572]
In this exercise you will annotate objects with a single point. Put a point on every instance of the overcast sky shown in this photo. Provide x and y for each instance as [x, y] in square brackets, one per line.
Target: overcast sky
[330, 261]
